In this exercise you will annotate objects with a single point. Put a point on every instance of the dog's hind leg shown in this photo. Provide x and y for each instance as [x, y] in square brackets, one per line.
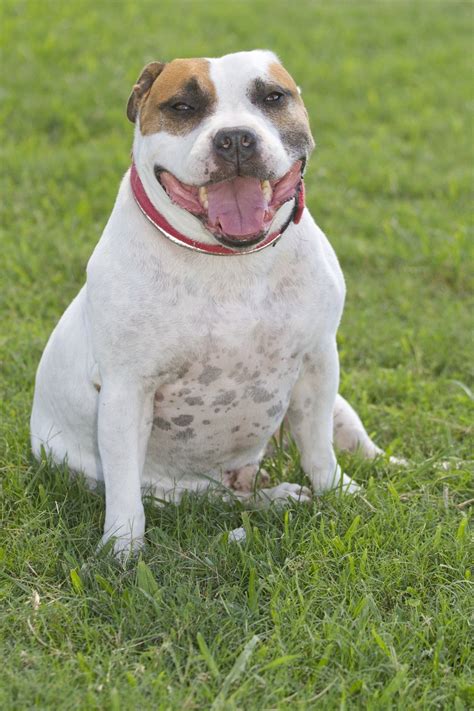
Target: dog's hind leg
[349, 433]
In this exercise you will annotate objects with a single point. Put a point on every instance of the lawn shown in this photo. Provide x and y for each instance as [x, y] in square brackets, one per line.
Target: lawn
[355, 602]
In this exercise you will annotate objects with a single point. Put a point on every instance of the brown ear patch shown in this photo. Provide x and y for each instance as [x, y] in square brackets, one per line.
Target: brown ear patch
[185, 81]
[142, 88]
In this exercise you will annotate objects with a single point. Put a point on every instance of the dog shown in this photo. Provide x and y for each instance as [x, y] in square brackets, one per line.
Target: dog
[210, 308]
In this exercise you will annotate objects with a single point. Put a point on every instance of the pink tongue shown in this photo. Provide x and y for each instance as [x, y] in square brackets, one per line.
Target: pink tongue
[238, 205]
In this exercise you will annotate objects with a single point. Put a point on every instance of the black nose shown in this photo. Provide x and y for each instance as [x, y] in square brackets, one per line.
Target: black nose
[235, 145]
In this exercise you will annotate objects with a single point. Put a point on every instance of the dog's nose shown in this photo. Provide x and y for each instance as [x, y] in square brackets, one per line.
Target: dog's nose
[235, 145]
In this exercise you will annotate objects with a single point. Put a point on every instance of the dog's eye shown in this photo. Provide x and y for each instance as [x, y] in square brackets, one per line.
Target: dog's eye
[274, 97]
[182, 107]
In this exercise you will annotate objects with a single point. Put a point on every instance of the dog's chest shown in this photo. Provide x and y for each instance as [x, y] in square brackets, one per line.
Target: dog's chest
[230, 387]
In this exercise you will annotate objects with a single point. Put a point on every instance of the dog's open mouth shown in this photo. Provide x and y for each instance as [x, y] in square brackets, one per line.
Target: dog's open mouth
[237, 211]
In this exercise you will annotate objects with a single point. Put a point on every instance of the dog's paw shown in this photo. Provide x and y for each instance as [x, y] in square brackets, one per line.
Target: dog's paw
[347, 485]
[121, 547]
[342, 484]
[287, 493]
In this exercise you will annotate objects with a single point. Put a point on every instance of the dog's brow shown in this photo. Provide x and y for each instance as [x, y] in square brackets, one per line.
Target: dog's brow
[191, 90]
[277, 87]
[262, 86]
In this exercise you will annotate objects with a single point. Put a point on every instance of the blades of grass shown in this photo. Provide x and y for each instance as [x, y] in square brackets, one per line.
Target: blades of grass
[280, 661]
[252, 595]
[104, 584]
[207, 656]
[235, 673]
[76, 581]
[380, 642]
[146, 580]
[394, 685]
[461, 532]
[326, 655]
[352, 528]
[247, 525]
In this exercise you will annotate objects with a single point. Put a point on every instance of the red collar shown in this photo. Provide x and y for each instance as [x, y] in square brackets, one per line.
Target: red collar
[161, 223]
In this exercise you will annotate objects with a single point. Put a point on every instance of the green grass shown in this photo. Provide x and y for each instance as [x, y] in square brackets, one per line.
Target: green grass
[361, 602]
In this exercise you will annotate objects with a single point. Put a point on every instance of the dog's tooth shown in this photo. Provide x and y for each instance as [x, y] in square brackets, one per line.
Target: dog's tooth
[203, 197]
[267, 190]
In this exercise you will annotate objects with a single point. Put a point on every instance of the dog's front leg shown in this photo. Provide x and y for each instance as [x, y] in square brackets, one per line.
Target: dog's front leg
[124, 423]
[310, 417]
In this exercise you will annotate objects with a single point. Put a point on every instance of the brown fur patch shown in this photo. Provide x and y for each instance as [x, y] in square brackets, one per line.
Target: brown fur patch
[290, 117]
[277, 72]
[181, 81]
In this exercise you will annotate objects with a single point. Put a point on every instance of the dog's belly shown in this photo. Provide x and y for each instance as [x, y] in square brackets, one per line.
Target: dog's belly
[219, 414]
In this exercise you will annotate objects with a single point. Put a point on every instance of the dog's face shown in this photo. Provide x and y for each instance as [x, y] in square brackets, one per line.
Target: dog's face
[225, 140]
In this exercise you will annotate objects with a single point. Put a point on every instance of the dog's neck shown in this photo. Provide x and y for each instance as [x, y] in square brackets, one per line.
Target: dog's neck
[166, 229]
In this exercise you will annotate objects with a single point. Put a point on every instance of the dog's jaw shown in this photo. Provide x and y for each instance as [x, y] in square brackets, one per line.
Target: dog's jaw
[239, 211]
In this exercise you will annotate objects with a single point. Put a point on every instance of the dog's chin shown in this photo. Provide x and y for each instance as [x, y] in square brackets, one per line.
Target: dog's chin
[239, 243]
[238, 212]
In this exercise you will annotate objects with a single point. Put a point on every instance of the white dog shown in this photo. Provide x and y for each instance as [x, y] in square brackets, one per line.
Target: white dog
[211, 305]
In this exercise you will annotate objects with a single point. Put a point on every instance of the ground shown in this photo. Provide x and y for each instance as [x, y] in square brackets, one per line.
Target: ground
[361, 602]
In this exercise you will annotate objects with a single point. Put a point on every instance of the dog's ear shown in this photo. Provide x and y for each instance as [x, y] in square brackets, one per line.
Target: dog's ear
[142, 88]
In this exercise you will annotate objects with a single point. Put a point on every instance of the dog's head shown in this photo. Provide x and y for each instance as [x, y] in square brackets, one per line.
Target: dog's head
[223, 140]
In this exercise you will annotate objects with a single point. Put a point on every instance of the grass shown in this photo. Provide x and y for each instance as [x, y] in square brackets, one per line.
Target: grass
[362, 602]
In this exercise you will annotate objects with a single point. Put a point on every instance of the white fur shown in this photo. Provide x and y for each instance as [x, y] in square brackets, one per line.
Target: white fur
[230, 344]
